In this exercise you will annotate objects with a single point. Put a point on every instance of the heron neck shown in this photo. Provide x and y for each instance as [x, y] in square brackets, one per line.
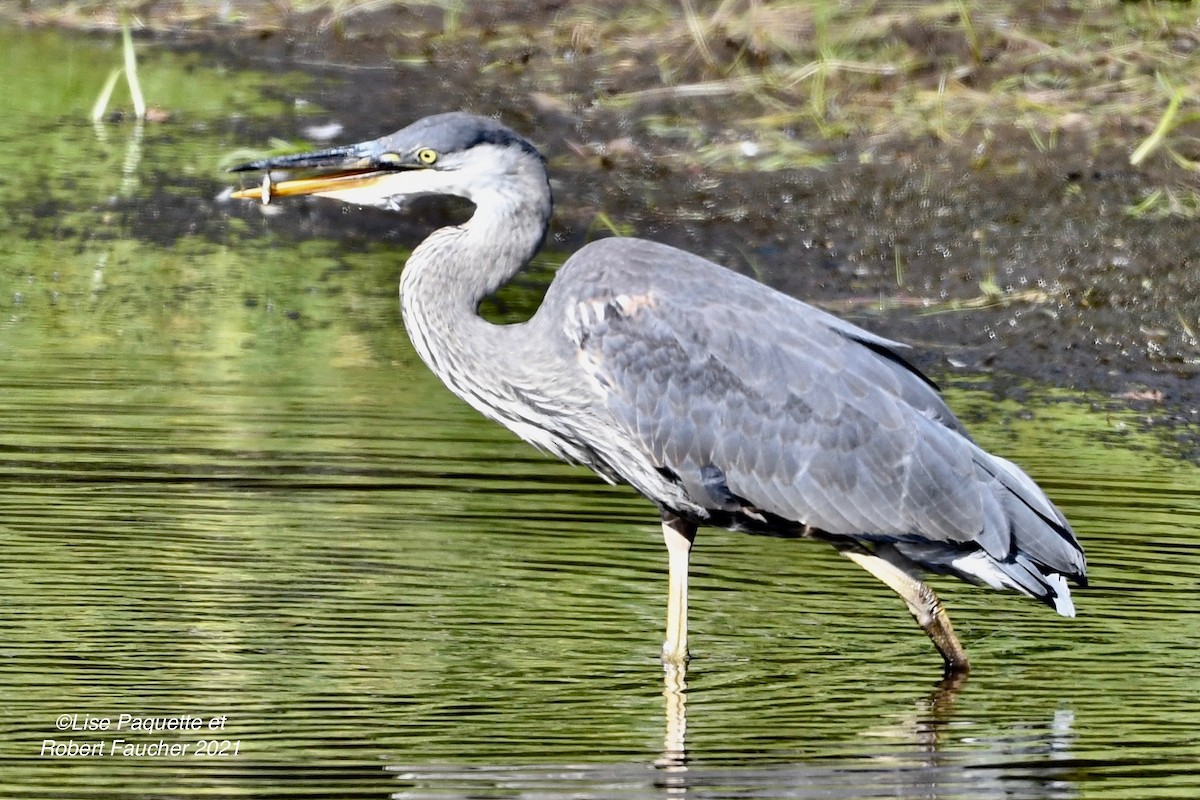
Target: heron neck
[453, 270]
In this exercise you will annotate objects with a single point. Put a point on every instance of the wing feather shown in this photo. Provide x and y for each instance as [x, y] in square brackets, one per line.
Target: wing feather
[803, 415]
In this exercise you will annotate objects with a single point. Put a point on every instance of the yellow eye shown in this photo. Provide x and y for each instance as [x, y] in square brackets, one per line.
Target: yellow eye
[426, 156]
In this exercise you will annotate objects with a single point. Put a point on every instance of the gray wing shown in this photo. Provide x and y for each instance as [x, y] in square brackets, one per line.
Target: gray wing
[758, 404]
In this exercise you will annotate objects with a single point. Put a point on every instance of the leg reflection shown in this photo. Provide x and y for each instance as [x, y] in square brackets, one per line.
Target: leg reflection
[674, 756]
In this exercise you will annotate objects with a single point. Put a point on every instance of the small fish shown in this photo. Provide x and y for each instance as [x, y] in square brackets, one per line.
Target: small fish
[266, 189]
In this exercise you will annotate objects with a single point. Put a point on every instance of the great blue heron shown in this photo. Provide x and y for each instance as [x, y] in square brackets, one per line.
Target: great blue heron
[720, 400]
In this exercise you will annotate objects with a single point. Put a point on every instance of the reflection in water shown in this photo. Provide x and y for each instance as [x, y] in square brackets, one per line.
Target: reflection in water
[674, 756]
[923, 770]
[132, 162]
[1025, 760]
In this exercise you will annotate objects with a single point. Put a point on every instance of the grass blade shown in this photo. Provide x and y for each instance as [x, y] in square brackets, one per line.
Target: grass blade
[131, 77]
[101, 104]
[1160, 131]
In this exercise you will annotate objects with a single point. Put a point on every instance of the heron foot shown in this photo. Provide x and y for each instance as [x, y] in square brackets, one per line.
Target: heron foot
[941, 632]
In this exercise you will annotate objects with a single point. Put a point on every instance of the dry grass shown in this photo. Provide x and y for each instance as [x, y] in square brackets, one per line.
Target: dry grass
[938, 68]
[948, 69]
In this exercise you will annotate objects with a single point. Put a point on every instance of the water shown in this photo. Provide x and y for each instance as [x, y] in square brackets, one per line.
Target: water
[233, 497]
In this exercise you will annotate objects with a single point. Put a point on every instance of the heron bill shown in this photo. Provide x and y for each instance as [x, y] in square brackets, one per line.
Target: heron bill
[333, 182]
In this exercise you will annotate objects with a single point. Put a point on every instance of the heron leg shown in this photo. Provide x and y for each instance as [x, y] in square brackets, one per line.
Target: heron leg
[901, 576]
[678, 535]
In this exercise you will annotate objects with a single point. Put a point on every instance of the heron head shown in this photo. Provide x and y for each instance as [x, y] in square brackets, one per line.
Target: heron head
[455, 153]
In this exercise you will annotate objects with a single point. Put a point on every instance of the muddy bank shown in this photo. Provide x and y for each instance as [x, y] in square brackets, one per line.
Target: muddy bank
[995, 251]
